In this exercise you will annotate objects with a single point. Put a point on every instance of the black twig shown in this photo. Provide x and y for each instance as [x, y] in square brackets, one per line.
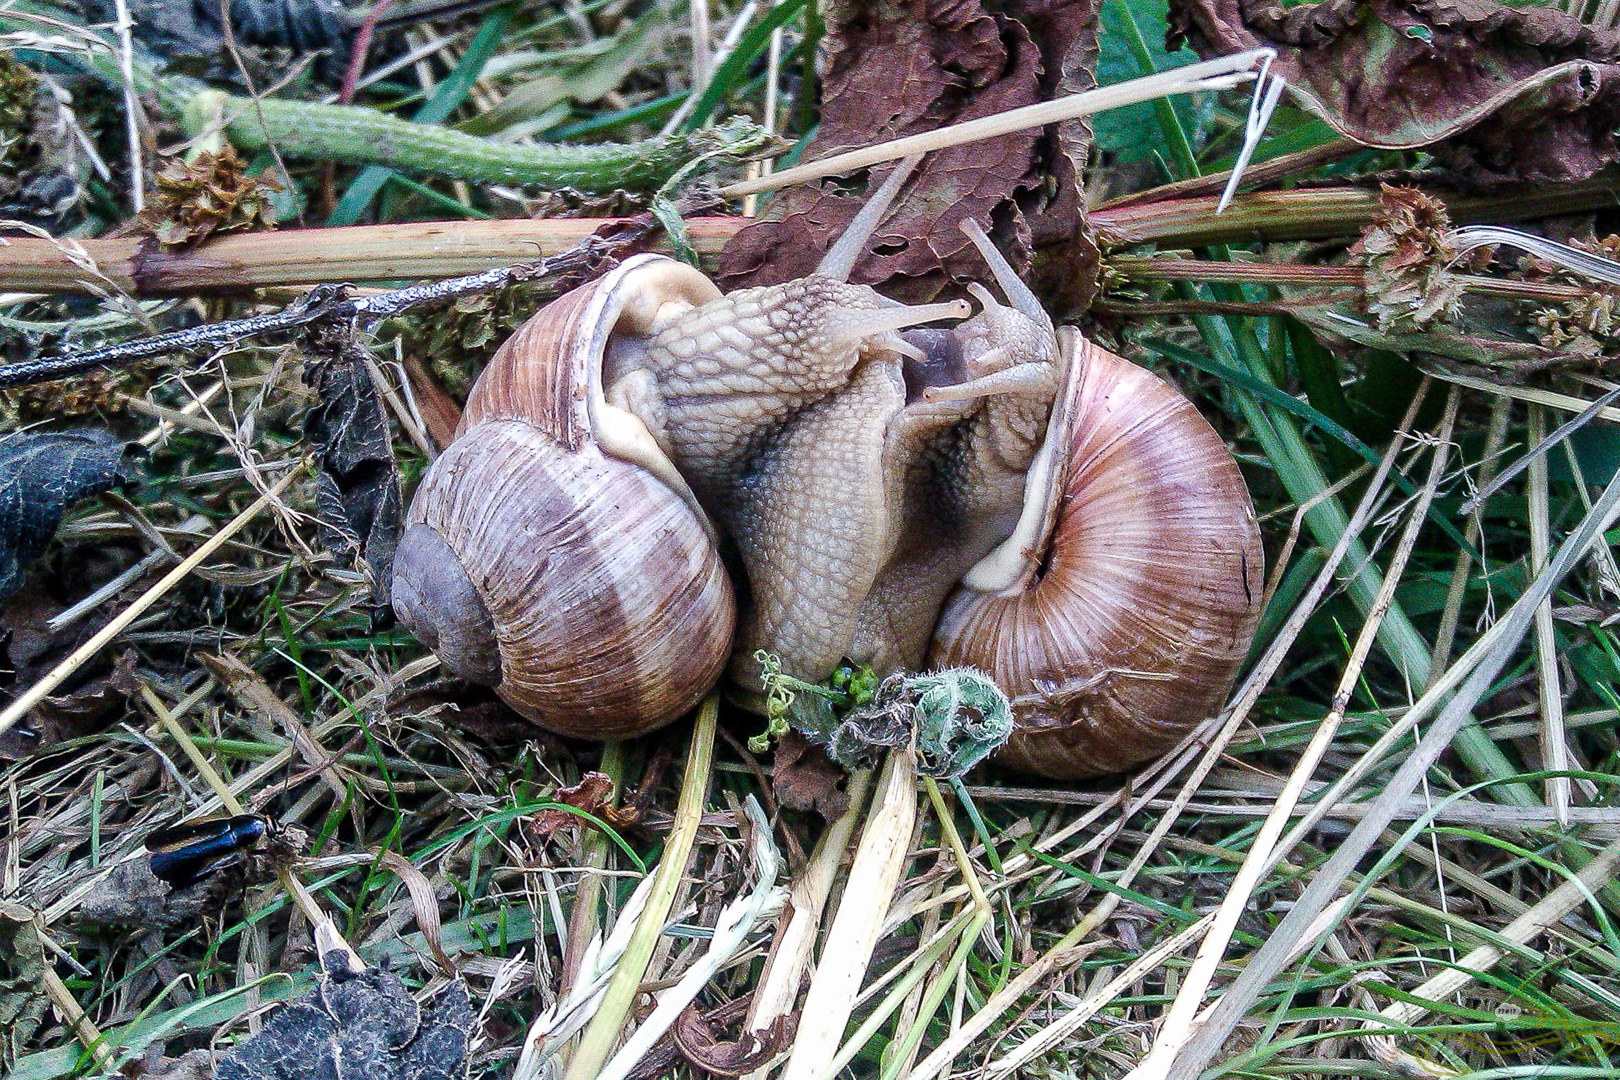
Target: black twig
[329, 304]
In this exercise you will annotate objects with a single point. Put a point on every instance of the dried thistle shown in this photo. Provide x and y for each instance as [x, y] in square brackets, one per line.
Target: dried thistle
[212, 194]
[1408, 257]
[1588, 325]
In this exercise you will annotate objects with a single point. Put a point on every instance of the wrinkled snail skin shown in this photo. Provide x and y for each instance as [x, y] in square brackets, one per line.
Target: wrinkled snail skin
[956, 460]
[1148, 589]
[551, 551]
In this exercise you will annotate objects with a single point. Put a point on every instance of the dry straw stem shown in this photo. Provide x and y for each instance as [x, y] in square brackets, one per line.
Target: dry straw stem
[435, 249]
[790, 954]
[84, 1029]
[1256, 864]
[847, 948]
[1491, 653]
[606, 1025]
[1554, 748]
[57, 675]
[1222, 73]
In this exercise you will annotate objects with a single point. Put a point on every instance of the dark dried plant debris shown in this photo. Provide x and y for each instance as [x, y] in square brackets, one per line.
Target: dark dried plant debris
[700, 1037]
[357, 496]
[42, 474]
[41, 160]
[1500, 94]
[358, 1025]
[804, 778]
[22, 969]
[201, 198]
[905, 66]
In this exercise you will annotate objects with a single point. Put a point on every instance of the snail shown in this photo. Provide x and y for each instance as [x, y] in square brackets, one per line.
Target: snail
[652, 481]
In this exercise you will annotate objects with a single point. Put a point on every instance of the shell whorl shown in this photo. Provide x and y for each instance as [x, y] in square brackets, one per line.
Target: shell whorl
[552, 551]
[1148, 591]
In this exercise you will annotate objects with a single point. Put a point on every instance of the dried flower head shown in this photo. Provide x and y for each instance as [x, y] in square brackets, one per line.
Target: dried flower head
[1588, 325]
[212, 194]
[1407, 256]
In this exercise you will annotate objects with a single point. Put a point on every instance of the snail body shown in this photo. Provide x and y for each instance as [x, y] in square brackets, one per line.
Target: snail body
[805, 469]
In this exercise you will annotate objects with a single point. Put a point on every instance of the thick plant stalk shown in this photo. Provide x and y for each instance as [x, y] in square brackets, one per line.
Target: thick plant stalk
[604, 1028]
[784, 970]
[854, 932]
[356, 135]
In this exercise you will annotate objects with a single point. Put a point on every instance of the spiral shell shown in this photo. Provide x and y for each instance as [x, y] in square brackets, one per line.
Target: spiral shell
[1141, 604]
[553, 551]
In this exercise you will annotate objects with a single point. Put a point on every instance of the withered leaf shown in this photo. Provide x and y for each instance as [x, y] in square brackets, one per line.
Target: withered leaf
[22, 969]
[42, 474]
[362, 1024]
[700, 1039]
[804, 778]
[591, 794]
[1500, 94]
[899, 67]
[357, 496]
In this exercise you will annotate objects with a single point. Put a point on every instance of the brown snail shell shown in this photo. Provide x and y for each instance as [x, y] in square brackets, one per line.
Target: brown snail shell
[552, 551]
[1128, 623]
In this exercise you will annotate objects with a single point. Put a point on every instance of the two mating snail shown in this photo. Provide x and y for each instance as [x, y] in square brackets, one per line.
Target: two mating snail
[652, 481]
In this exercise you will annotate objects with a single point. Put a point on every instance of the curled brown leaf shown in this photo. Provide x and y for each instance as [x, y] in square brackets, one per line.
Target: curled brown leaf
[906, 66]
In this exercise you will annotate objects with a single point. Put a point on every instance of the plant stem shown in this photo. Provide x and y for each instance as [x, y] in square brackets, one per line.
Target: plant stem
[356, 135]
[582, 921]
[597, 1042]
[847, 948]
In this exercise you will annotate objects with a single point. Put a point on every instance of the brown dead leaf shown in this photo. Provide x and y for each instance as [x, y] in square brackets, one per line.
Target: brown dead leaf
[903, 66]
[1500, 94]
[593, 794]
[805, 778]
[700, 1037]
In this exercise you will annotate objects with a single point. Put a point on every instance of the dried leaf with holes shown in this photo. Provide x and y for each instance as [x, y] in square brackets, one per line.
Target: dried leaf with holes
[1500, 94]
[905, 66]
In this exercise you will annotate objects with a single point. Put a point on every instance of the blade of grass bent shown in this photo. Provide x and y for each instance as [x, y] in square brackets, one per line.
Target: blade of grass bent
[1269, 960]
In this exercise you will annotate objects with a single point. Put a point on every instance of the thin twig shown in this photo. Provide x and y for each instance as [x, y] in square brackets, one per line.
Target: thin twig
[328, 304]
